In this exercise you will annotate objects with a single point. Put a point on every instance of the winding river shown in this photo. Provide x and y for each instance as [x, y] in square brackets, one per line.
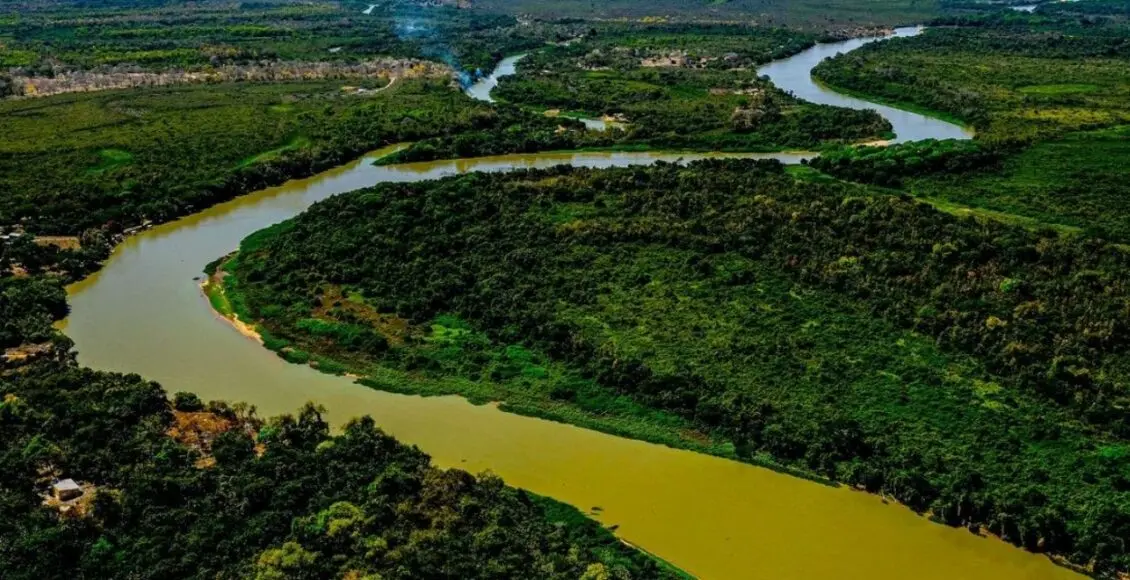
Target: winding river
[481, 90]
[713, 517]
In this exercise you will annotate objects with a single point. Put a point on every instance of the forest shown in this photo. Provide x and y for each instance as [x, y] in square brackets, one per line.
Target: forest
[193, 490]
[968, 368]
[59, 35]
[944, 323]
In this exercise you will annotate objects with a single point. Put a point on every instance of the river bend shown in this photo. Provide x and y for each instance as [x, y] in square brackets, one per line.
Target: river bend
[144, 313]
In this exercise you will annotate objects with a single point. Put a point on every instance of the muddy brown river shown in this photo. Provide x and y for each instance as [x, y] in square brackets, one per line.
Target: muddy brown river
[713, 517]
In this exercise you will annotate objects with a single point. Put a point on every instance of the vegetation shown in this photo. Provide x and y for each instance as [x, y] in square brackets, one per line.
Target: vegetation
[970, 369]
[116, 159]
[207, 491]
[1077, 181]
[889, 165]
[685, 86]
[1048, 97]
[55, 35]
[838, 15]
[678, 86]
[112, 160]
[1014, 83]
[28, 308]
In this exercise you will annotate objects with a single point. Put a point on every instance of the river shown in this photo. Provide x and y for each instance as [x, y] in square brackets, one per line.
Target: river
[715, 518]
[482, 88]
[792, 74]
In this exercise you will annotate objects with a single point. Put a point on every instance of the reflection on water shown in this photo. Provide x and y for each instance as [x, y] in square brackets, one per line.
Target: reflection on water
[482, 87]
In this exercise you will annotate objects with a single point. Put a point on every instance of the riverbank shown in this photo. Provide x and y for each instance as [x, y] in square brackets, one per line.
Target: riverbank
[221, 288]
[694, 509]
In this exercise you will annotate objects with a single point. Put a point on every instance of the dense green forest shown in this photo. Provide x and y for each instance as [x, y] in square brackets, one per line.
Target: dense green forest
[28, 308]
[891, 165]
[968, 368]
[187, 490]
[46, 37]
[971, 368]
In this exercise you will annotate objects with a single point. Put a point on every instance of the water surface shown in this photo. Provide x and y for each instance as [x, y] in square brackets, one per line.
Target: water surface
[713, 517]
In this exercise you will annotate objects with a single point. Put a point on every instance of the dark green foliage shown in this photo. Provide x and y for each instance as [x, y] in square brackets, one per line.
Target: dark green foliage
[306, 504]
[968, 368]
[28, 309]
[187, 402]
[70, 264]
[506, 129]
[890, 165]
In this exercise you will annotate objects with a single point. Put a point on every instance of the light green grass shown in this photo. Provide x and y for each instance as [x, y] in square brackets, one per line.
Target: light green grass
[295, 143]
[1077, 183]
[111, 158]
[218, 299]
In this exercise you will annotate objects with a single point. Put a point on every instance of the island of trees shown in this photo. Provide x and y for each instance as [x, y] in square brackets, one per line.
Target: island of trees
[971, 369]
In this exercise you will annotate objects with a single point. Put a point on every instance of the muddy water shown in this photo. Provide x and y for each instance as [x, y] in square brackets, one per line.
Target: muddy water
[715, 518]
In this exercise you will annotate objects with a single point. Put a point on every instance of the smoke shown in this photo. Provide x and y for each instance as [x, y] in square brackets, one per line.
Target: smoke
[433, 40]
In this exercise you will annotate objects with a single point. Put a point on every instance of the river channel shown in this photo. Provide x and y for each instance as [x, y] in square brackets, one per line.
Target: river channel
[713, 517]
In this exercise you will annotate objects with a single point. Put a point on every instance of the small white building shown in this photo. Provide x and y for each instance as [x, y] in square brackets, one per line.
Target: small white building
[66, 489]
